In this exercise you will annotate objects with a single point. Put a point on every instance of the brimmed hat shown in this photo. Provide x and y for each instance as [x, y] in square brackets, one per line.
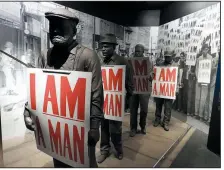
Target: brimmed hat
[62, 13]
[168, 54]
[141, 46]
[109, 38]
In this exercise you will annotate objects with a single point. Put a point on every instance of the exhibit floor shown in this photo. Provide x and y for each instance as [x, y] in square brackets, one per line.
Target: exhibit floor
[140, 151]
[196, 149]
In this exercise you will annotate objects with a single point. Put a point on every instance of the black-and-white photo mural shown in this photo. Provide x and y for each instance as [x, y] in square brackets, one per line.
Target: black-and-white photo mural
[195, 40]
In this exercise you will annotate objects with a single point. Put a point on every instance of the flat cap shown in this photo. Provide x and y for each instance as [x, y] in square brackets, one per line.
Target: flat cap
[168, 53]
[62, 13]
[109, 38]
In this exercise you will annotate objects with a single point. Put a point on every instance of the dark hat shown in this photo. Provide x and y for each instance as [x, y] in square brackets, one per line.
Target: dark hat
[168, 53]
[62, 13]
[109, 38]
[205, 46]
[140, 46]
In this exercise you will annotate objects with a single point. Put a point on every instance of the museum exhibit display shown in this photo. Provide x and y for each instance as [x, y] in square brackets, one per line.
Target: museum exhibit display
[151, 102]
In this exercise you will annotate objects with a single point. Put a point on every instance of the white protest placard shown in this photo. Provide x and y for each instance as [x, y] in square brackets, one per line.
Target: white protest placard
[204, 71]
[114, 91]
[215, 41]
[191, 59]
[164, 84]
[59, 102]
[142, 69]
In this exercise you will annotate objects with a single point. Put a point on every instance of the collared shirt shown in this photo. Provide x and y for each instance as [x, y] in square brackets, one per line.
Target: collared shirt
[185, 70]
[88, 61]
[119, 60]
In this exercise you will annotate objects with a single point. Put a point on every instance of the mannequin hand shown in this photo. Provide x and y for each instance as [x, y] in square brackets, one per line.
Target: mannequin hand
[93, 137]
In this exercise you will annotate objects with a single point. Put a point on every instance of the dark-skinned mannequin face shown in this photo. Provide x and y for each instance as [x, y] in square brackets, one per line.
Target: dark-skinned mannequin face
[139, 51]
[62, 31]
[108, 49]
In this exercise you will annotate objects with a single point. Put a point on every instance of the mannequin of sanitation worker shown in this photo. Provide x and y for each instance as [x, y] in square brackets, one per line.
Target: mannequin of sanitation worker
[168, 55]
[142, 99]
[110, 129]
[67, 54]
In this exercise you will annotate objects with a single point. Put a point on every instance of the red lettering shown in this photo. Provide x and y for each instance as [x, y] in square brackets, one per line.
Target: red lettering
[162, 75]
[39, 133]
[145, 83]
[171, 76]
[105, 106]
[117, 106]
[50, 90]
[162, 89]
[33, 91]
[118, 101]
[67, 144]
[172, 90]
[139, 85]
[142, 68]
[167, 89]
[154, 73]
[77, 95]
[116, 80]
[104, 78]
[111, 106]
[55, 137]
[78, 142]
[155, 89]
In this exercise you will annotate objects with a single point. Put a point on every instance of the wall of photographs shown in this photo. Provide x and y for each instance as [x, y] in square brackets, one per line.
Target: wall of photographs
[24, 34]
[186, 36]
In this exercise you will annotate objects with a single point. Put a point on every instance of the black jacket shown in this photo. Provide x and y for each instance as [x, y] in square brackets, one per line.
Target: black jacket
[79, 58]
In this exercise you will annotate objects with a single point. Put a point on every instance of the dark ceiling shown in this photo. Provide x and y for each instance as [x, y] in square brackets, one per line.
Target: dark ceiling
[115, 11]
